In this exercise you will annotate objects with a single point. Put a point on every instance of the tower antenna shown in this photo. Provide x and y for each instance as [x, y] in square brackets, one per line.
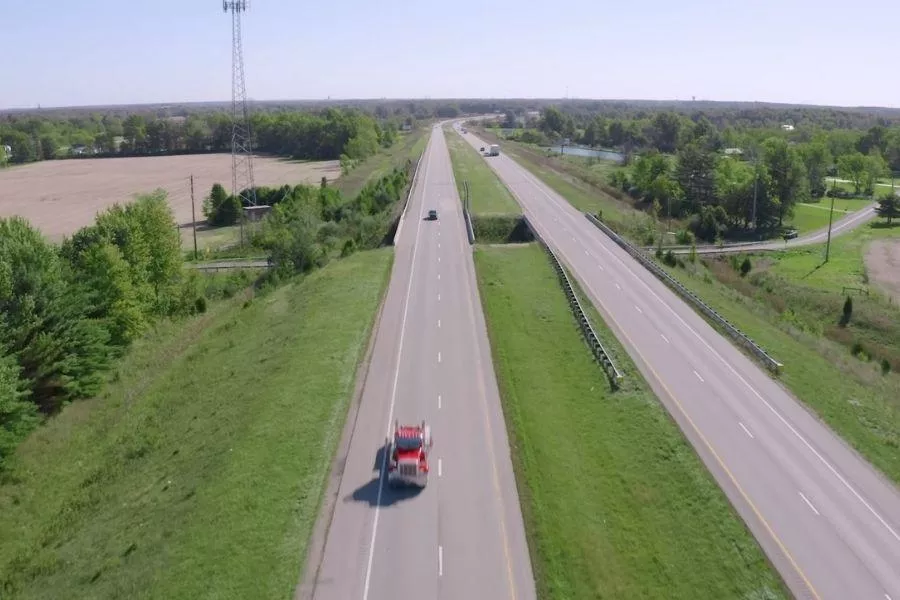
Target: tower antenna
[241, 150]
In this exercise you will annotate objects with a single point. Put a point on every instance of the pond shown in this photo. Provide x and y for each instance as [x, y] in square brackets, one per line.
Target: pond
[588, 152]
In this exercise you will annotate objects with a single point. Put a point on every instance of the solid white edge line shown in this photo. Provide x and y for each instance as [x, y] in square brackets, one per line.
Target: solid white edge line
[412, 273]
[698, 376]
[808, 503]
[747, 431]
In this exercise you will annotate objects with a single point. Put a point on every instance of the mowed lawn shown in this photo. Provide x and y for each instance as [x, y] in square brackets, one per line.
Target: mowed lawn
[487, 193]
[616, 502]
[199, 471]
[810, 216]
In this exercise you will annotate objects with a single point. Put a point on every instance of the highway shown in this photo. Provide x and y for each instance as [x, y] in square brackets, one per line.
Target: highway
[463, 535]
[826, 519]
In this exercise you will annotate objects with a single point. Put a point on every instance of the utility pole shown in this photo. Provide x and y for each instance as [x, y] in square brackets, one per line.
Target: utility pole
[194, 217]
[830, 216]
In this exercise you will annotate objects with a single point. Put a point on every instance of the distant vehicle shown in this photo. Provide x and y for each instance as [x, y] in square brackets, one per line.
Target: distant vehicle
[481, 149]
[464, 130]
[791, 234]
[495, 150]
[432, 215]
[409, 455]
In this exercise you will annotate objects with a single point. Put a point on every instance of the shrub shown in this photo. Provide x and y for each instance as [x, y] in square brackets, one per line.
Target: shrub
[746, 266]
[848, 312]
[669, 258]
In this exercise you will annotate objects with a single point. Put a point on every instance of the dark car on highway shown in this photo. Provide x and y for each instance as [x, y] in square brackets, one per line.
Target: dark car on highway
[432, 215]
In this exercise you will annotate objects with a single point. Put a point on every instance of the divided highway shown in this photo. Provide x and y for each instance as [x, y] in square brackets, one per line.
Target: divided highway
[463, 535]
[827, 520]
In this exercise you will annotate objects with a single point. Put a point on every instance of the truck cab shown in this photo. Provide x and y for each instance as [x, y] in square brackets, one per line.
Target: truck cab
[408, 460]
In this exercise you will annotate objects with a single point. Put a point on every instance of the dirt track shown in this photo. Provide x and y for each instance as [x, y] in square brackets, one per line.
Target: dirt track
[883, 265]
[59, 197]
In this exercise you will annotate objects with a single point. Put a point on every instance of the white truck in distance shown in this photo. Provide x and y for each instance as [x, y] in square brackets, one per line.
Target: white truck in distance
[494, 150]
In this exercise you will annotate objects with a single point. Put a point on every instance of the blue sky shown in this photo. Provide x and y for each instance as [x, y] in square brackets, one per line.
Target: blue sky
[126, 51]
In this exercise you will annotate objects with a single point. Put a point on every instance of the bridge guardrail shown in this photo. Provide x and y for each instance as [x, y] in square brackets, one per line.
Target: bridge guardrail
[735, 333]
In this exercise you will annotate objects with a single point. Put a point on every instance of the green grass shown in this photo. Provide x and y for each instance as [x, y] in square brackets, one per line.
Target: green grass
[408, 146]
[198, 473]
[616, 502]
[790, 304]
[810, 216]
[487, 193]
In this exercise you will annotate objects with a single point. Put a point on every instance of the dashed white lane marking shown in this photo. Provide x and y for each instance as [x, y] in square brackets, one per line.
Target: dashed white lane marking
[439, 400]
[439, 276]
[440, 561]
[439, 323]
[601, 267]
[808, 503]
[439, 297]
[439, 357]
[638, 308]
[747, 431]
[586, 253]
[439, 245]
[665, 339]
[439, 259]
[698, 376]
[440, 468]
[888, 597]
[618, 287]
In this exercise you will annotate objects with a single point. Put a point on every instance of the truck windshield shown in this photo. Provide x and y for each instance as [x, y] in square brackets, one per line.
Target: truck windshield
[408, 443]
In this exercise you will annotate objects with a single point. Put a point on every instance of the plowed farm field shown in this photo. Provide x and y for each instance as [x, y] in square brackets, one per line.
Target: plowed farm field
[61, 196]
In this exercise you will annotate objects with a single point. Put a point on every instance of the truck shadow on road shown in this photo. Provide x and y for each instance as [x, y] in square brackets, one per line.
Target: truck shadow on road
[390, 496]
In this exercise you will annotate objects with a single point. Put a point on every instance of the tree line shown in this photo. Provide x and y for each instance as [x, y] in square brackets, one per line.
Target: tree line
[67, 311]
[327, 135]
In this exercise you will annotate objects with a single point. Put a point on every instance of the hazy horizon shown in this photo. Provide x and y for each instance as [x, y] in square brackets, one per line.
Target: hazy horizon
[773, 51]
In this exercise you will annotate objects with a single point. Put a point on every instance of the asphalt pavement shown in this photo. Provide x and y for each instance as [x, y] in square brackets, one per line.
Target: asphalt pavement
[462, 536]
[828, 521]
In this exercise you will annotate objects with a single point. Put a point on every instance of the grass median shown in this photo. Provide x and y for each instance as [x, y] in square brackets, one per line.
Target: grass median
[487, 193]
[616, 502]
[199, 470]
[791, 304]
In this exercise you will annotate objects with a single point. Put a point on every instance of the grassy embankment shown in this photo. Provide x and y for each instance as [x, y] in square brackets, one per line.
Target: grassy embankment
[791, 303]
[199, 470]
[496, 216]
[616, 502]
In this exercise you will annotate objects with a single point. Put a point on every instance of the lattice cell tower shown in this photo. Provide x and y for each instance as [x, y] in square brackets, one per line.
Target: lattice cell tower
[241, 151]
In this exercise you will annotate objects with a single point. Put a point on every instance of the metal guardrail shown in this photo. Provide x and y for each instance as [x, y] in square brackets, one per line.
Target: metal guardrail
[600, 354]
[470, 231]
[754, 348]
[412, 186]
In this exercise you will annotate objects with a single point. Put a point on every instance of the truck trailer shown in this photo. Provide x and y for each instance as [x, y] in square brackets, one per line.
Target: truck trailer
[494, 150]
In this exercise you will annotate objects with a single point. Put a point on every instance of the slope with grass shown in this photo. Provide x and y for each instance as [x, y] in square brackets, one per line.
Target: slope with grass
[487, 193]
[791, 303]
[199, 471]
[616, 502]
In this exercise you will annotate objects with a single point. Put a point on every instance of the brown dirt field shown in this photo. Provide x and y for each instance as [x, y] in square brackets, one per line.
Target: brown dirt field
[61, 196]
[883, 265]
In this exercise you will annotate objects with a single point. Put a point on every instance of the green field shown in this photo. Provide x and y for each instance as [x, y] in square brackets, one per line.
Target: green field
[198, 473]
[487, 193]
[791, 304]
[616, 502]
[810, 216]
